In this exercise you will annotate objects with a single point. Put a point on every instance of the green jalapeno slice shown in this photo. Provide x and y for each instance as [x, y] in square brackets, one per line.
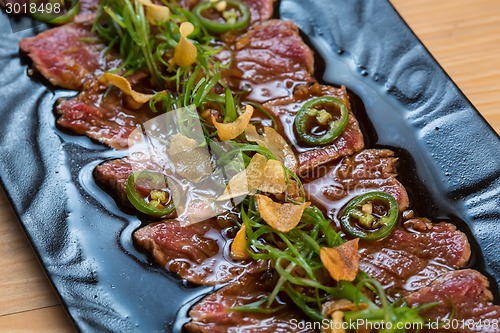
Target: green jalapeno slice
[59, 16]
[370, 216]
[149, 193]
[235, 16]
[315, 124]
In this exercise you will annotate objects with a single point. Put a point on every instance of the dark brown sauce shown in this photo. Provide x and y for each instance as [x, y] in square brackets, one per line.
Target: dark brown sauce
[316, 185]
[270, 90]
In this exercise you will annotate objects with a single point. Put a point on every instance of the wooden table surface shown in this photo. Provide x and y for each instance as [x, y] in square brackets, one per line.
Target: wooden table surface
[463, 35]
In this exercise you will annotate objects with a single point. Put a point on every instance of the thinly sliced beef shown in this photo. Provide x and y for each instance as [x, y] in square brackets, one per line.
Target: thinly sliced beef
[260, 10]
[198, 253]
[102, 116]
[349, 142]
[70, 57]
[66, 55]
[66, 58]
[414, 255]
[88, 6]
[366, 171]
[270, 60]
[113, 175]
[466, 293]
[87, 13]
[213, 314]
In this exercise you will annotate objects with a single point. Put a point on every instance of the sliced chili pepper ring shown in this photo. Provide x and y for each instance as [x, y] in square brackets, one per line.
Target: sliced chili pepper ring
[367, 224]
[237, 18]
[309, 111]
[149, 193]
[64, 15]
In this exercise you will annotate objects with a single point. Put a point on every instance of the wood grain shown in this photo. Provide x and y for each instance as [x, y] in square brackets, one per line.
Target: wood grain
[27, 301]
[464, 37]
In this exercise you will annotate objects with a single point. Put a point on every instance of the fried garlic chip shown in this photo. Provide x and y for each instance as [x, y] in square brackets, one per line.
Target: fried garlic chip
[246, 181]
[273, 180]
[281, 217]
[124, 85]
[185, 52]
[338, 320]
[255, 171]
[293, 191]
[189, 159]
[251, 134]
[273, 141]
[261, 174]
[231, 131]
[342, 262]
[155, 14]
[237, 186]
[328, 308]
[239, 245]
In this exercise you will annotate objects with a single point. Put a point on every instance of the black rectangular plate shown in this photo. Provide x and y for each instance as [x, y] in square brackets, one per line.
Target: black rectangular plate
[449, 161]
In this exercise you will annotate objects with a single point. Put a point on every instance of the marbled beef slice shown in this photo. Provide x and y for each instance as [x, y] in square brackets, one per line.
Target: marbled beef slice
[67, 56]
[213, 314]
[367, 171]
[269, 60]
[198, 253]
[112, 175]
[466, 292]
[414, 255]
[102, 115]
[347, 143]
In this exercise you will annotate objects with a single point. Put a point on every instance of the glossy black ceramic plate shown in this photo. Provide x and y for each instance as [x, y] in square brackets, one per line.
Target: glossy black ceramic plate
[449, 162]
